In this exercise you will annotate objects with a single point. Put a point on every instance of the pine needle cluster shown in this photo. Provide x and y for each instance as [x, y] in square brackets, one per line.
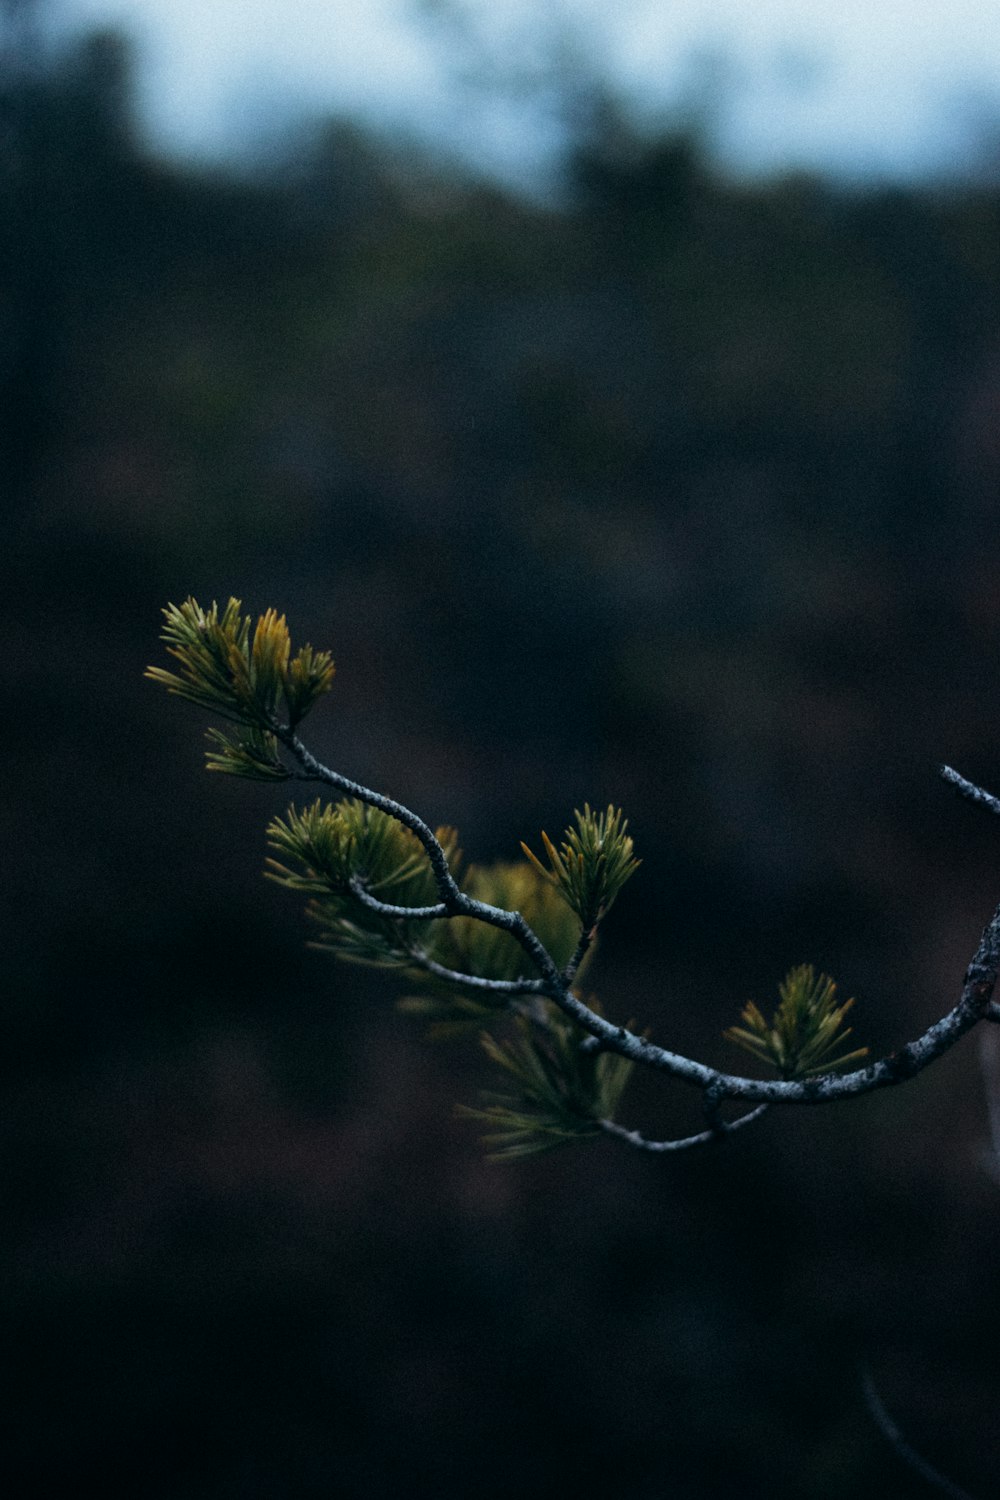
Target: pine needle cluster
[245, 674]
[339, 851]
[591, 865]
[807, 1031]
[558, 1091]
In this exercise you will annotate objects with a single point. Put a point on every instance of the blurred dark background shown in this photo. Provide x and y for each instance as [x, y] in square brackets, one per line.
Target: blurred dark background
[674, 489]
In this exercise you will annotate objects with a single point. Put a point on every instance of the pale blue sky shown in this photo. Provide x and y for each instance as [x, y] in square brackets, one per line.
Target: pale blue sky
[869, 86]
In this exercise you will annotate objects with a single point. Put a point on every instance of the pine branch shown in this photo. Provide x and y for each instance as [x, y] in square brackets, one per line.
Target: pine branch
[372, 868]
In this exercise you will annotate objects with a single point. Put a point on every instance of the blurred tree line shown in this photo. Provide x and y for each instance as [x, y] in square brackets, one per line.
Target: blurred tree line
[675, 489]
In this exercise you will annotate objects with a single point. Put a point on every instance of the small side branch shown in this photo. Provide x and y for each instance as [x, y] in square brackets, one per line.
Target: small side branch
[475, 981]
[710, 1137]
[582, 949]
[386, 909]
[909, 1456]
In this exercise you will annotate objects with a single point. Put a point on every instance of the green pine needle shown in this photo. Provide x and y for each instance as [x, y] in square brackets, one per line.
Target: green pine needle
[329, 846]
[557, 1090]
[239, 673]
[592, 864]
[252, 753]
[807, 1032]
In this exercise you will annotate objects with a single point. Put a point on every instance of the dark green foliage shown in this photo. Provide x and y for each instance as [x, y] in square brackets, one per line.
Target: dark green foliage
[562, 1090]
[559, 1091]
[249, 752]
[213, 650]
[807, 1031]
[349, 841]
[307, 677]
[335, 845]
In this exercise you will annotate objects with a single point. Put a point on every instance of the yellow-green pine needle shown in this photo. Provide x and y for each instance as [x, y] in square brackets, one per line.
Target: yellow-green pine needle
[807, 1031]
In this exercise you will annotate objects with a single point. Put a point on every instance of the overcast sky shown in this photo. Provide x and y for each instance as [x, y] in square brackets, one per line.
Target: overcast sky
[863, 85]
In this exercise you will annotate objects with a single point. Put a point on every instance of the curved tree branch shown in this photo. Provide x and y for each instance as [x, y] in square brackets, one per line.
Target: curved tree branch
[974, 1004]
[897, 1067]
[451, 896]
[222, 669]
[454, 900]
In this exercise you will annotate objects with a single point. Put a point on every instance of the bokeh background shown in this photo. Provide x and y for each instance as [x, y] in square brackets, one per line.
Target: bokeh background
[645, 475]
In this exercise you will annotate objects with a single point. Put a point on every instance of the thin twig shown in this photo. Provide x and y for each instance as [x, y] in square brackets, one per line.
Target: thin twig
[476, 981]
[901, 1447]
[710, 1137]
[386, 909]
